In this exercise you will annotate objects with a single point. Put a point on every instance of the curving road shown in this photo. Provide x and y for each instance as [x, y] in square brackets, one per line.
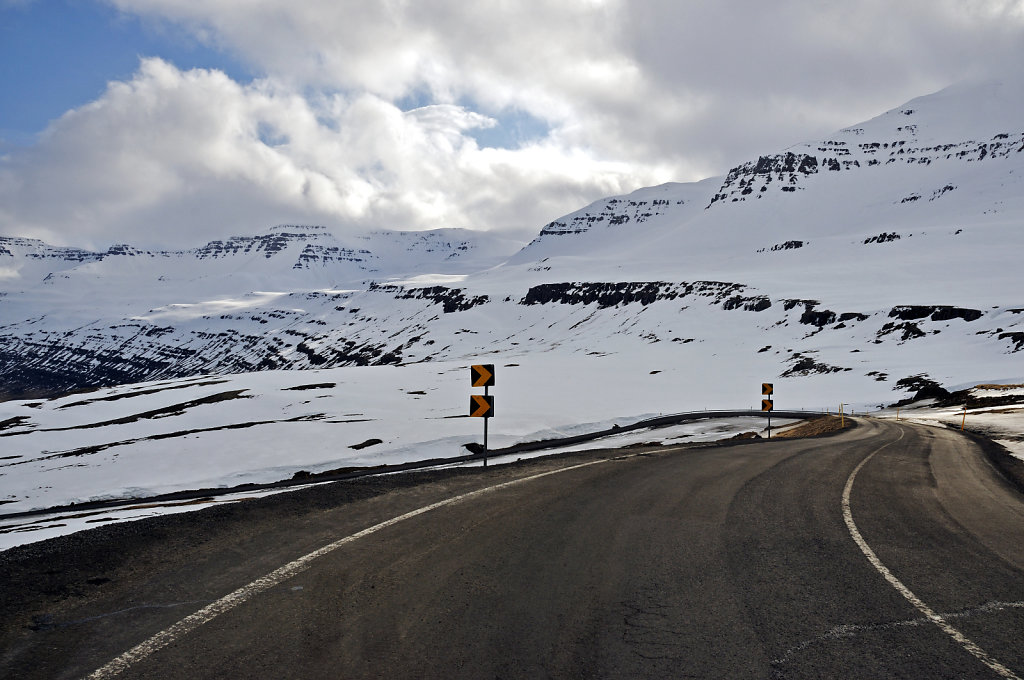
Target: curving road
[889, 550]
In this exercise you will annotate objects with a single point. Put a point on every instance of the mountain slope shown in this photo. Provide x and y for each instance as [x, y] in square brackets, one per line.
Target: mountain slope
[888, 252]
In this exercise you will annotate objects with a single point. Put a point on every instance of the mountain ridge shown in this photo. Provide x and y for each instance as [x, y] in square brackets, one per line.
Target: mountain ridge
[895, 240]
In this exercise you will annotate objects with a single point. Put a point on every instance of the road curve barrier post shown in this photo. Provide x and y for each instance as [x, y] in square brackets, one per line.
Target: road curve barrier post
[482, 405]
[768, 389]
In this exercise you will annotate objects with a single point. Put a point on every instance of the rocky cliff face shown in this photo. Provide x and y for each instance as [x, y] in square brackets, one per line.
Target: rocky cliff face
[394, 324]
[888, 248]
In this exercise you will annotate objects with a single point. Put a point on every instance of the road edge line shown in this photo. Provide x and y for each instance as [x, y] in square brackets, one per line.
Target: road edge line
[901, 588]
[165, 637]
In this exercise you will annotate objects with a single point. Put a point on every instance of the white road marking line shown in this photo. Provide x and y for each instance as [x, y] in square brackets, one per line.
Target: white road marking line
[232, 600]
[902, 589]
[849, 630]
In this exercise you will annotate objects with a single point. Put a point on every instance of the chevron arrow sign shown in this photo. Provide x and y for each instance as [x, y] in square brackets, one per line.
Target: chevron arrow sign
[481, 406]
[482, 374]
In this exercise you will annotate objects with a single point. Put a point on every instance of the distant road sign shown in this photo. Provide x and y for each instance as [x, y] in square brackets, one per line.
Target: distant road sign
[482, 374]
[481, 406]
[767, 388]
[767, 405]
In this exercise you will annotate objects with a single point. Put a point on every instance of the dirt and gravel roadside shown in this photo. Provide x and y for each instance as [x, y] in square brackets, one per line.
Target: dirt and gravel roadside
[817, 426]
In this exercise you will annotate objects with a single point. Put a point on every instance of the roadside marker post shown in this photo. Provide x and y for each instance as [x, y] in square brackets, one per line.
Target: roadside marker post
[768, 389]
[482, 405]
[963, 423]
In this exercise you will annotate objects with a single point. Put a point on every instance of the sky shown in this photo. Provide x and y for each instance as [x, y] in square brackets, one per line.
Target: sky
[169, 123]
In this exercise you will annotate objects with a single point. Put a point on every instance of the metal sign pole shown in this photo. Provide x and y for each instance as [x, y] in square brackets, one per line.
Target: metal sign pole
[482, 375]
[768, 390]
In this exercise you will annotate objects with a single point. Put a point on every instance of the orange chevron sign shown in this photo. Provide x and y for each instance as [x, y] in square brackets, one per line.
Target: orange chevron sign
[767, 405]
[481, 406]
[482, 375]
[767, 388]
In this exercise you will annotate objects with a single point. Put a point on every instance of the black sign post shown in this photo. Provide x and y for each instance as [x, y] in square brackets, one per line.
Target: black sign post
[768, 389]
[482, 405]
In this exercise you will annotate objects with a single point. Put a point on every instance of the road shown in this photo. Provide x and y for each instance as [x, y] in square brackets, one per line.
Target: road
[739, 561]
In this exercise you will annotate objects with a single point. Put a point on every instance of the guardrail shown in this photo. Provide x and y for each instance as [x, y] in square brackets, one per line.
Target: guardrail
[656, 422]
[350, 473]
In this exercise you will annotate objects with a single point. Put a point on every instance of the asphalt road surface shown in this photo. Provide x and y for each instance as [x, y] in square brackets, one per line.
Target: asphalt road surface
[889, 550]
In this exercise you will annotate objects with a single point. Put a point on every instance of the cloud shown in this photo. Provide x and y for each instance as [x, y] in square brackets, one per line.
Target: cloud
[649, 78]
[175, 157]
[617, 95]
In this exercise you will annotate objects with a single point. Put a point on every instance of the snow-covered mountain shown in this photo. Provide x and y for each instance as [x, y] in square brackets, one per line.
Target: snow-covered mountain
[884, 256]
[860, 269]
[71, 318]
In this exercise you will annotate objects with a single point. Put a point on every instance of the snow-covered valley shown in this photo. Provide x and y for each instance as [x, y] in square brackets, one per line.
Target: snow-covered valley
[859, 269]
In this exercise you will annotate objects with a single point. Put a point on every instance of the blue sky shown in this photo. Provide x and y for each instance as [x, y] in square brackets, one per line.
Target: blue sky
[435, 113]
[59, 54]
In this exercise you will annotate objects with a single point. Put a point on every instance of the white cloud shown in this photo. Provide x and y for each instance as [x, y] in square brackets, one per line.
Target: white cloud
[176, 157]
[628, 77]
[625, 93]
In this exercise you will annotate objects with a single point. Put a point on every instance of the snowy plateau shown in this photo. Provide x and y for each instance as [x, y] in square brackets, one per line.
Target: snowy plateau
[882, 263]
